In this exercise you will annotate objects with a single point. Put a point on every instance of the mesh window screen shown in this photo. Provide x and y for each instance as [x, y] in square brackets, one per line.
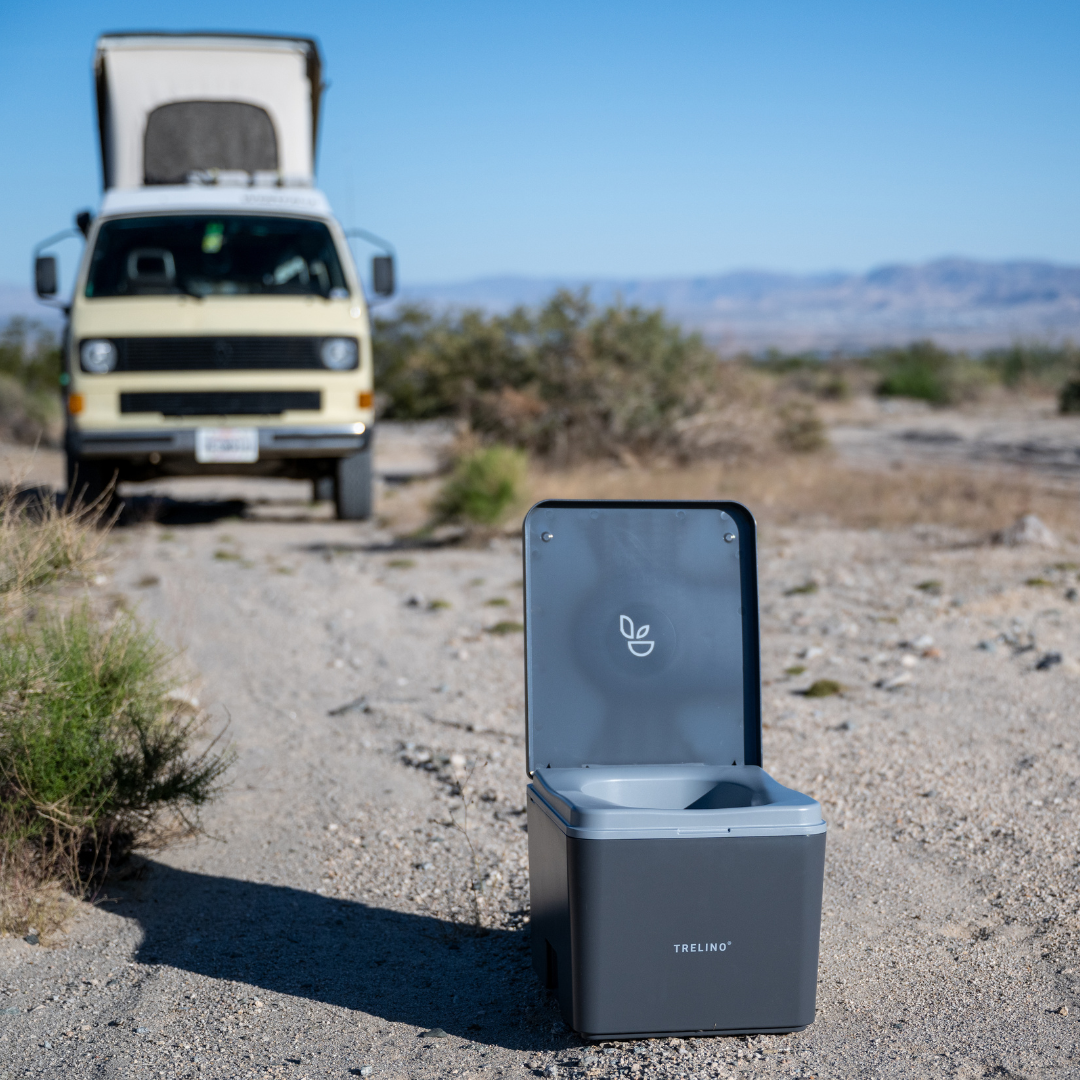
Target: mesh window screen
[187, 136]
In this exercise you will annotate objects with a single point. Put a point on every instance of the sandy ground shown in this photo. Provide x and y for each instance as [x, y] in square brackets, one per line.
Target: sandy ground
[1014, 432]
[325, 924]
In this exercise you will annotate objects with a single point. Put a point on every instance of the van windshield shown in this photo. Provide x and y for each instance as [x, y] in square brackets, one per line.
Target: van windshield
[215, 255]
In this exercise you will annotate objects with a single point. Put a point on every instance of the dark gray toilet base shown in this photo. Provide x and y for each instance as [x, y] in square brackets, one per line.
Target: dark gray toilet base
[689, 936]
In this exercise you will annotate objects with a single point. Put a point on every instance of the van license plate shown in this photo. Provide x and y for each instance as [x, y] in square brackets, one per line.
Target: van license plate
[225, 444]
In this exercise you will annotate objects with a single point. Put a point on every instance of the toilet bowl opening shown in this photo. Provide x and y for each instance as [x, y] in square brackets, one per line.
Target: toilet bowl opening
[674, 793]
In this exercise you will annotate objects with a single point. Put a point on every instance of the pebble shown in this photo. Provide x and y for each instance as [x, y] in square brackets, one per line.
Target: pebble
[1063, 1011]
[1048, 661]
[434, 1033]
[365, 1070]
[895, 682]
[1028, 531]
[142, 1031]
[12, 1011]
[31, 939]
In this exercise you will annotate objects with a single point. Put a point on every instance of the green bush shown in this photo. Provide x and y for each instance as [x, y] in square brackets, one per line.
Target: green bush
[483, 486]
[921, 370]
[89, 738]
[94, 757]
[564, 382]
[30, 367]
[1069, 397]
[1041, 367]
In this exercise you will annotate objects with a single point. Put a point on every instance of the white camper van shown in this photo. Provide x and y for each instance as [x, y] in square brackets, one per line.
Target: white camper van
[218, 323]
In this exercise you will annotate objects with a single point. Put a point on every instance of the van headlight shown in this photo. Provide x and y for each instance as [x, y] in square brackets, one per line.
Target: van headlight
[97, 356]
[339, 353]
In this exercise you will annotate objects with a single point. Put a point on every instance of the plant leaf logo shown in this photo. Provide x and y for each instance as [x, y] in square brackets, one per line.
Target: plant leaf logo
[634, 637]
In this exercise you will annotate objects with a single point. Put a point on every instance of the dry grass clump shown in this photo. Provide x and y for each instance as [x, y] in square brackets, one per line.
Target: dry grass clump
[41, 542]
[818, 490]
[94, 756]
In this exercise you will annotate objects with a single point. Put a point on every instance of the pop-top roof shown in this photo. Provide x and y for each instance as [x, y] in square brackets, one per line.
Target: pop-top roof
[177, 107]
[641, 634]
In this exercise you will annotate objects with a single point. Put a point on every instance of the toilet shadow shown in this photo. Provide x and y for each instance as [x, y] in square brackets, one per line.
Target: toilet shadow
[405, 968]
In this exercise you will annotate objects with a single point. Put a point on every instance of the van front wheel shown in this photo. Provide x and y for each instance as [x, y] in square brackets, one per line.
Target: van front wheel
[353, 494]
[88, 480]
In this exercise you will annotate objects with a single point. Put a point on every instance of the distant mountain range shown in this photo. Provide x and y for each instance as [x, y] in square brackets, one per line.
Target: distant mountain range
[960, 303]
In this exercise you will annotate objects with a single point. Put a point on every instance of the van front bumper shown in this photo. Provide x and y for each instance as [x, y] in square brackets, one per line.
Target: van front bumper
[275, 443]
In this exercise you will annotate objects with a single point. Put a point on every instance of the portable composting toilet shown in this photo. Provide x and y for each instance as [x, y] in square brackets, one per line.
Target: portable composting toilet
[676, 887]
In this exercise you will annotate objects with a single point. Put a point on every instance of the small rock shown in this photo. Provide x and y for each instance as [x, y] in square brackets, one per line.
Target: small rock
[1027, 531]
[47, 1045]
[812, 652]
[365, 1070]
[1048, 661]
[13, 1010]
[988, 646]
[1072, 595]
[1063, 1011]
[31, 939]
[924, 641]
[434, 1033]
[895, 682]
[142, 1031]
[932, 654]
[907, 660]
[416, 600]
[551, 1070]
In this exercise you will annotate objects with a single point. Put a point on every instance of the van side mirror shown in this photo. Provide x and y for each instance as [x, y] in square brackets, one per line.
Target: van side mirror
[382, 275]
[45, 275]
[83, 220]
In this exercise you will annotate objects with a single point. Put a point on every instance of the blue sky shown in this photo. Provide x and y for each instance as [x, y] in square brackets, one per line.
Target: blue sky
[623, 138]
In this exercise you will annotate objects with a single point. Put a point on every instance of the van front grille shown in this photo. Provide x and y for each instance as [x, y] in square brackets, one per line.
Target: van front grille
[221, 402]
[218, 354]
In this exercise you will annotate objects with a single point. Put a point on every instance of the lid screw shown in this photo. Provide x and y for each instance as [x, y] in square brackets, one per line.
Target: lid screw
[546, 536]
[729, 537]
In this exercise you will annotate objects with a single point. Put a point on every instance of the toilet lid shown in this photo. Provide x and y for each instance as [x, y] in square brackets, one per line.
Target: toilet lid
[641, 634]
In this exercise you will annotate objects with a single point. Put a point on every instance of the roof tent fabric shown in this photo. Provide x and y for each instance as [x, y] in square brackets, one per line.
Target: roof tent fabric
[192, 136]
[242, 76]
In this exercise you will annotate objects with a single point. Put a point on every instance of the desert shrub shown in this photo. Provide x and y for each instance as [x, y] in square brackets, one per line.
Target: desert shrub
[483, 487]
[1034, 366]
[1069, 397]
[30, 367]
[94, 757]
[92, 753]
[801, 429]
[920, 370]
[569, 382]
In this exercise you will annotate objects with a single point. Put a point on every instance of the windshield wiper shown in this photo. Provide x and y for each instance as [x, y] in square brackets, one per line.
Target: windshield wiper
[188, 291]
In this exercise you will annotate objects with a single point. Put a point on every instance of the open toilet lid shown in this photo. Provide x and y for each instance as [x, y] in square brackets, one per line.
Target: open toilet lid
[641, 634]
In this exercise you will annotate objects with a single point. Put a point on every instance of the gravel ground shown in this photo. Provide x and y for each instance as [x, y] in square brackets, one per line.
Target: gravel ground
[325, 924]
